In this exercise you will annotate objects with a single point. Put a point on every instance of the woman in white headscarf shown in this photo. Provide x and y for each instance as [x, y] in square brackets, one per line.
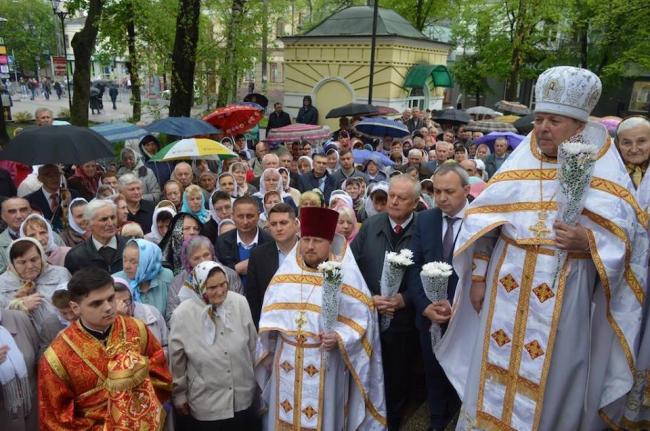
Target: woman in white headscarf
[35, 226]
[271, 180]
[75, 233]
[160, 221]
[211, 352]
[18, 356]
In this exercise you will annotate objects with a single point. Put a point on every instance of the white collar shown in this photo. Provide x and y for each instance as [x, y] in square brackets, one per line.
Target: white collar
[111, 244]
[48, 194]
[460, 214]
[406, 222]
[252, 243]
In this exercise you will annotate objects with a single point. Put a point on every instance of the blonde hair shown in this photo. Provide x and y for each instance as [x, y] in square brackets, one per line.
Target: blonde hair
[311, 195]
[132, 230]
[36, 221]
[193, 190]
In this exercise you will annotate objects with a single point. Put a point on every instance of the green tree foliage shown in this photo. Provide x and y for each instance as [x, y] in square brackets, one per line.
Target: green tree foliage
[29, 31]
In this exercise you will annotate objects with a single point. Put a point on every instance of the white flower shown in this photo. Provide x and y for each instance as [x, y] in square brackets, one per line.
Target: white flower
[399, 259]
[406, 253]
[577, 145]
[437, 269]
[329, 266]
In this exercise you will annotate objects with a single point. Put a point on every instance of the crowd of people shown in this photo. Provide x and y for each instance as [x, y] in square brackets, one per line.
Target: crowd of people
[189, 295]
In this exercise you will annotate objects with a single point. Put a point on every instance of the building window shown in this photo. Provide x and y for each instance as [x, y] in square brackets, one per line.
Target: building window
[417, 98]
[279, 28]
[276, 72]
[640, 99]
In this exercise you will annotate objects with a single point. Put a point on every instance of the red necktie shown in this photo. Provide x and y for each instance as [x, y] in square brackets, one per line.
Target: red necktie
[398, 229]
[54, 201]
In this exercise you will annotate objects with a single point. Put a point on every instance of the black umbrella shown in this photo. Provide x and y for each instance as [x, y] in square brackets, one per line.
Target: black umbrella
[351, 109]
[452, 116]
[525, 124]
[258, 98]
[57, 144]
[185, 127]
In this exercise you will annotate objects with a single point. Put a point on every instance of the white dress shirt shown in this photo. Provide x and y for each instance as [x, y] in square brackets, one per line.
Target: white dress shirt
[460, 215]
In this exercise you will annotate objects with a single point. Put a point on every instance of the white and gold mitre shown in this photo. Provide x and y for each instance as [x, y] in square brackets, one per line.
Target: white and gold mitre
[569, 91]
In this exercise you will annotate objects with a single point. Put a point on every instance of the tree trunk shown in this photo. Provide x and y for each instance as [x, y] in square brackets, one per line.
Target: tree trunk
[227, 69]
[132, 66]
[184, 58]
[265, 43]
[517, 59]
[83, 46]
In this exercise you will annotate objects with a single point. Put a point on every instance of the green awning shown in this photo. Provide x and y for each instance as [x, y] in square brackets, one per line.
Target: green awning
[433, 75]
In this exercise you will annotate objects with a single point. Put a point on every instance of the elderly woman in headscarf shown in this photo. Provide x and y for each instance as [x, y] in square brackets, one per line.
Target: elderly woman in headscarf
[86, 179]
[149, 146]
[239, 171]
[29, 282]
[160, 221]
[271, 180]
[19, 346]
[194, 251]
[373, 171]
[35, 226]
[76, 232]
[305, 164]
[149, 282]
[183, 227]
[210, 333]
[286, 184]
[376, 200]
[194, 203]
[131, 163]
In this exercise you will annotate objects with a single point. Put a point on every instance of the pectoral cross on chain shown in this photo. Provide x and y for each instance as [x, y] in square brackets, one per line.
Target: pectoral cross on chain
[301, 321]
[539, 229]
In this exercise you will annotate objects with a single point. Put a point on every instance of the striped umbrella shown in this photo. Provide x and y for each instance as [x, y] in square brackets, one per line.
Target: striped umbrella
[297, 132]
[115, 132]
[193, 149]
[487, 126]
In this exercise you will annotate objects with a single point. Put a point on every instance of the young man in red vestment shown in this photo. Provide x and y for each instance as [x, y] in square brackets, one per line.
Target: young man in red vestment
[104, 371]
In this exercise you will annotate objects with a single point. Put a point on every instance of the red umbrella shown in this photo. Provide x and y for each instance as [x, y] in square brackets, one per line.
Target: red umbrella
[296, 132]
[234, 119]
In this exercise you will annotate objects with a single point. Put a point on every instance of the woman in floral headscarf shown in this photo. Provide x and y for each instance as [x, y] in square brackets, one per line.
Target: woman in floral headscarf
[149, 282]
[211, 333]
[182, 227]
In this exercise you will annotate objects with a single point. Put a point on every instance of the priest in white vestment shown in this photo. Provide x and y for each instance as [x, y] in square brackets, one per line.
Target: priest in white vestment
[633, 142]
[299, 390]
[525, 352]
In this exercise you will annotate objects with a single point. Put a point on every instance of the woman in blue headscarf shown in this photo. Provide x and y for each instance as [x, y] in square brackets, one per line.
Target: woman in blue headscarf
[194, 203]
[149, 282]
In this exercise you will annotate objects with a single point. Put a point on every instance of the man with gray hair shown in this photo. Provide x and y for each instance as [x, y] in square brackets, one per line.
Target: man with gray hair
[103, 249]
[433, 240]
[391, 231]
[415, 159]
[139, 209]
[43, 117]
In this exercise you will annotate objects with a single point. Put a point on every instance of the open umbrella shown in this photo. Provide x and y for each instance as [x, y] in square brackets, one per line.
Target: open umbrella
[297, 132]
[385, 111]
[362, 156]
[351, 110]
[115, 132]
[380, 127]
[482, 110]
[611, 123]
[185, 127]
[193, 149]
[510, 119]
[524, 125]
[512, 107]
[487, 126]
[455, 116]
[236, 118]
[57, 144]
[513, 139]
[258, 98]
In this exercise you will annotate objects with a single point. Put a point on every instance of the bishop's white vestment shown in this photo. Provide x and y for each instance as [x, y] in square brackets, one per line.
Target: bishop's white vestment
[542, 354]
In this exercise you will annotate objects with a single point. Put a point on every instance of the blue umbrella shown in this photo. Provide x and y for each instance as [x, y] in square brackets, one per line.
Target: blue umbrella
[185, 127]
[115, 132]
[380, 127]
[513, 139]
[362, 156]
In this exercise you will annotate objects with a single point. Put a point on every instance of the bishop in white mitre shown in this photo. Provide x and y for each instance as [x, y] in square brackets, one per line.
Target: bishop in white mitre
[312, 379]
[550, 348]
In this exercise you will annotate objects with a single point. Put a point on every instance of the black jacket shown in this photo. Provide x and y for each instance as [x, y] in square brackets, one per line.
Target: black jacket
[262, 266]
[369, 247]
[278, 120]
[144, 216]
[307, 115]
[85, 254]
[38, 200]
[308, 181]
[228, 251]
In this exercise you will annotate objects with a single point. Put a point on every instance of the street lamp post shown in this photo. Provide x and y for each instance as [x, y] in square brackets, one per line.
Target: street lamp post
[62, 14]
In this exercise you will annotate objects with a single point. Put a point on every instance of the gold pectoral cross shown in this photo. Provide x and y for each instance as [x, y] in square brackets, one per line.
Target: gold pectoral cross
[301, 321]
[539, 229]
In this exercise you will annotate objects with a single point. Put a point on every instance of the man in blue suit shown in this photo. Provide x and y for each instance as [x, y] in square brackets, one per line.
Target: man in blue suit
[433, 240]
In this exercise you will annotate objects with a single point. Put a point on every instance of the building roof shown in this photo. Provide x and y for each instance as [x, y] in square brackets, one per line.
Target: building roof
[357, 21]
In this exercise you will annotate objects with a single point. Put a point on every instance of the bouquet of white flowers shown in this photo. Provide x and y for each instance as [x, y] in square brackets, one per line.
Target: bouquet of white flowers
[332, 280]
[434, 276]
[576, 159]
[395, 265]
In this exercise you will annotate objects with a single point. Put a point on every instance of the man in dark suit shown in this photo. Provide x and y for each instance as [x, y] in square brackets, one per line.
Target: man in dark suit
[278, 118]
[267, 258]
[104, 247]
[433, 240]
[318, 178]
[234, 248]
[385, 232]
[494, 161]
[49, 198]
[139, 210]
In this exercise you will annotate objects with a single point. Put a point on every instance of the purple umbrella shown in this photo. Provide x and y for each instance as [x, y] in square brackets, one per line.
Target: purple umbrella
[513, 139]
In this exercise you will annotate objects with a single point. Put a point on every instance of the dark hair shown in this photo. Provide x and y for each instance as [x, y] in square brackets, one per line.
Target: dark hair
[87, 280]
[164, 216]
[214, 270]
[379, 195]
[240, 136]
[272, 192]
[244, 200]
[120, 287]
[219, 195]
[7, 199]
[282, 208]
[344, 151]
[21, 247]
[318, 155]
[61, 298]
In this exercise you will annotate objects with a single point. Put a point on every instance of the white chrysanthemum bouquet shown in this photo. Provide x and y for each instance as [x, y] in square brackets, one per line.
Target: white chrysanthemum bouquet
[395, 265]
[435, 277]
[332, 279]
